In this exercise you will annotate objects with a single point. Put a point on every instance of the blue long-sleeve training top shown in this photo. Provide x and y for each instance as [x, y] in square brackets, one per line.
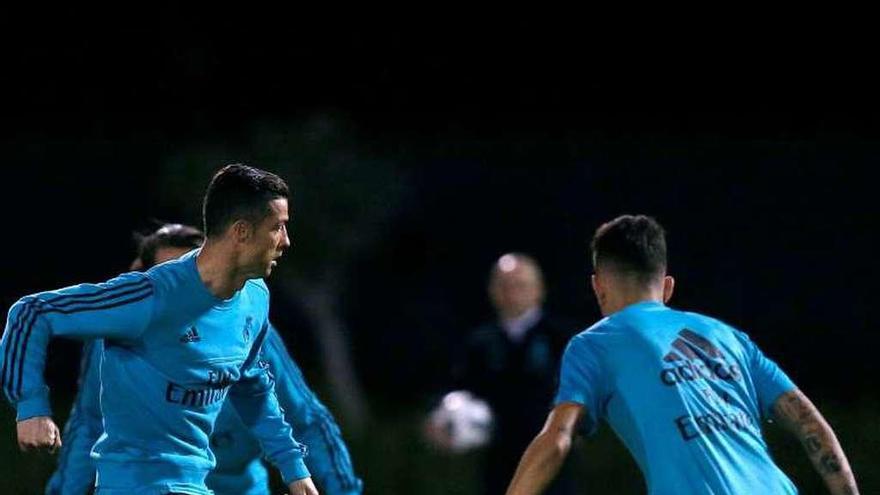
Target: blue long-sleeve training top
[239, 470]
[173, 353]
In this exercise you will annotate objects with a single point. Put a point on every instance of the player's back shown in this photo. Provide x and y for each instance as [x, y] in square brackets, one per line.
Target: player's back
[686, 394]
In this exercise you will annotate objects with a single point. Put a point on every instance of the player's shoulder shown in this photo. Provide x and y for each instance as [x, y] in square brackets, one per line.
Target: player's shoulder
[257, 285]
[174, 272]
[596, 333]
[607, 325]
[715, 326]
[708, 321]
[123, 284]
[257, 297]
[257, 291]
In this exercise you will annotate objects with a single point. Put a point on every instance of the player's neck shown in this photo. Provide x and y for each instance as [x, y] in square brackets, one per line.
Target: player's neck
[217, 269]
[624, 299]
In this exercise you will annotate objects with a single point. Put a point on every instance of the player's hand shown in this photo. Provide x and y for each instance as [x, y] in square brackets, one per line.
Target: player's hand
[38, 433]
[302, 487]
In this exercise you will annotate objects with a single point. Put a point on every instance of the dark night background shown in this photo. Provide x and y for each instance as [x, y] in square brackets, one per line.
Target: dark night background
[418, 158]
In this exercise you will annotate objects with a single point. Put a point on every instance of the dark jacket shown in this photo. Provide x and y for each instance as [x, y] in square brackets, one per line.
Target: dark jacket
[519, 381]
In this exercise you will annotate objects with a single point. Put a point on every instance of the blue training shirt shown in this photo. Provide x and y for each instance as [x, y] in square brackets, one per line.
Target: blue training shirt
[685, 393]
[239, 470]
[173, 354]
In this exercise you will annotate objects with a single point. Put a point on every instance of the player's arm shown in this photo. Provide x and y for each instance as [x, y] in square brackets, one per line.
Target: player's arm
[779, 398]
[582, 390]
[794, 411]
[257, 405]
[75, 474]
[120, 308]
[545, 455]
[328, 459]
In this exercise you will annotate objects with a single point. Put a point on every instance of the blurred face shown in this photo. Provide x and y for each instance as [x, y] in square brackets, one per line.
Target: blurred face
[515, 288]
[268, 240]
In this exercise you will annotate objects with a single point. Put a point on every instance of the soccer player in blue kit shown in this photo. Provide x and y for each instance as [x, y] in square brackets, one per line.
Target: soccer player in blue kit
[684, 392]
[179, 340]
[239, 470]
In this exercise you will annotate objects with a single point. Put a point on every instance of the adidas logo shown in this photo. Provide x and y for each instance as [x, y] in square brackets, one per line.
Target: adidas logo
[693, 358]
[190, 336]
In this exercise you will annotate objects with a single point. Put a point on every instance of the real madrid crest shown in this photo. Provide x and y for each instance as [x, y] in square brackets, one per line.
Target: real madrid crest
[246, 333]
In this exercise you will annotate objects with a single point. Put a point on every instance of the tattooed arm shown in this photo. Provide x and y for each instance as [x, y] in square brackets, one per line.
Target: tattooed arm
[794, 411]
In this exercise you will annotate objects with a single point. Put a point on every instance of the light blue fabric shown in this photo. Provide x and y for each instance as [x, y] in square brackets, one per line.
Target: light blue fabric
[239, 470]
[686, 394]
[172, 354]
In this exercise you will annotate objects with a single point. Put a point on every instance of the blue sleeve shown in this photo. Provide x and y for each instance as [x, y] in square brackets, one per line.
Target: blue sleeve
[581, 380]
[75, 474]
[768, 378]
[328, 459]
[120, 308]
[256, 403]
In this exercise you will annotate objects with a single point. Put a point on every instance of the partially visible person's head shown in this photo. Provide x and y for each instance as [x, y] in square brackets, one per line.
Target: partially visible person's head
[516, 285]
[249, 208]
[629, 261]
[169, 242]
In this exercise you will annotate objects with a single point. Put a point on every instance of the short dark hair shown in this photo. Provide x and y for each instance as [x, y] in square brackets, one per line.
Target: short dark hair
[631, 245]
[240, 192]
[168, 235]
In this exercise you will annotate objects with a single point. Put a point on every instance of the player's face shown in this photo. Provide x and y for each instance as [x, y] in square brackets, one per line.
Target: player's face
[269, 240]
[516, 291]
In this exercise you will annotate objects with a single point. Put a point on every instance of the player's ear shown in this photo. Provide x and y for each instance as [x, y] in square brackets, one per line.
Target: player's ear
[241, 230]
[668, 288]
[597, 286]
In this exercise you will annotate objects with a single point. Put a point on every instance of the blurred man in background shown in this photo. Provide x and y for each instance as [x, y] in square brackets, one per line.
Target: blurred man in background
[512, 363]
[239, 469]
[684, 392]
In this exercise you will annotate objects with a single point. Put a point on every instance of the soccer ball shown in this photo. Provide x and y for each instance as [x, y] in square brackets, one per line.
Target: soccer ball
[461, 422]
